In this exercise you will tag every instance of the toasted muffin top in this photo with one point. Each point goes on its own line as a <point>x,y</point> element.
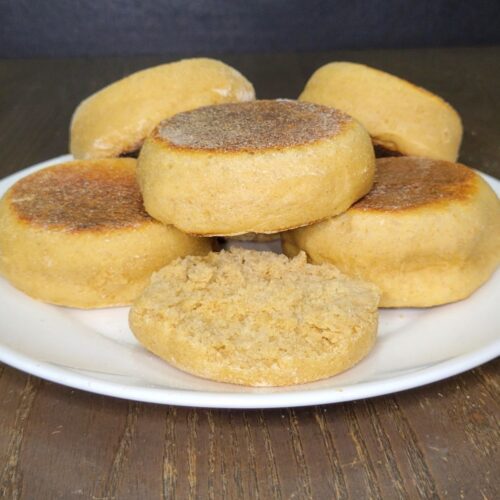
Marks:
<point>407,182</point>
<point>252,126</point>
<point>81,195</point>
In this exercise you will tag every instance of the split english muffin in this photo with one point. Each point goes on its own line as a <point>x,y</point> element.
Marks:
<point>256,318</point>
<point>77,235</point>
<point>256,167</point>
<point>115,120</point>
<point>427,234</point>
<point>402,119</point>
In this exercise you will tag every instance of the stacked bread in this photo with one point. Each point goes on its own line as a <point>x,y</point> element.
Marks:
<point>428,233</point>
<point>251,317</point>
<point>412,229</point>
<point>77,234</point>
<point>261,166</point>
<point>402,119</point>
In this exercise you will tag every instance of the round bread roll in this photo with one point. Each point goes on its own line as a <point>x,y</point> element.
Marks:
<point>428,233</point>
<point>77,235</point>
<point>256,167</point>
<point>116,120</point>
<point>400,117</point>
<point>256,318</point>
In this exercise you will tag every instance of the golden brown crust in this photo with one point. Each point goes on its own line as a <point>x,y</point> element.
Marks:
<point>77,235</point>
<point>116,120</point>
<point>81,196</point>
<point>231,192</point>
<point>398,115</point>
<point>406,182</point>
<point>427,234</point>
<point>251,126</point>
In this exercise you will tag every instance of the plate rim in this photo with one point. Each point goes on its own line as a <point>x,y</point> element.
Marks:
<point>238,400</point>
<point>270,397</point>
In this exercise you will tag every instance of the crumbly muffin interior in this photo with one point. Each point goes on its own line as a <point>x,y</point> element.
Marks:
<point>249,311</point>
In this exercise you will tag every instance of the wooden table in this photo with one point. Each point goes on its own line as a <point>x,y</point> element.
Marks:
<point>438,441</point>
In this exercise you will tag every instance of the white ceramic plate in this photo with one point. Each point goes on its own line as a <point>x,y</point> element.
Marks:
<point>95,350</point>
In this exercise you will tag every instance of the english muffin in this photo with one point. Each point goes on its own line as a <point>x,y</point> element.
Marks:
<point>115,120</point>
<point>256,167</point>
<point>402,119</point>
<point>77,235</point>
<point>256,318</point>
<point>428,233</point>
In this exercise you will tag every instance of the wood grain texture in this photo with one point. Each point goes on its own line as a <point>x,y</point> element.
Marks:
<point>438,441</point>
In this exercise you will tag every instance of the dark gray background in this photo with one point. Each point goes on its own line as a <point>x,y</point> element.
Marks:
<point>31,28</point>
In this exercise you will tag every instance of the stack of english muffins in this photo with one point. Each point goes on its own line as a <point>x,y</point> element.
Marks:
<point>358,178</point>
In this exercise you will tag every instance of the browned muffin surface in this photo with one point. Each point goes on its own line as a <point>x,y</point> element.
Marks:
<point>81,196</point>
<point>409,182</point>
<point>252,126</point>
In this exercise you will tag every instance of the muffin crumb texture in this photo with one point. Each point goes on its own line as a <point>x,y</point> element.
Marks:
<point>256,318</point>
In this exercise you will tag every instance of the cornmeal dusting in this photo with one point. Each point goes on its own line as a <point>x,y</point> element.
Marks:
<point>407,182</point>
<point>255,125</point>
<point>81,196</point>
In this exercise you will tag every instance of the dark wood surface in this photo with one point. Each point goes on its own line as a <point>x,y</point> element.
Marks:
<point>437,441</point>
